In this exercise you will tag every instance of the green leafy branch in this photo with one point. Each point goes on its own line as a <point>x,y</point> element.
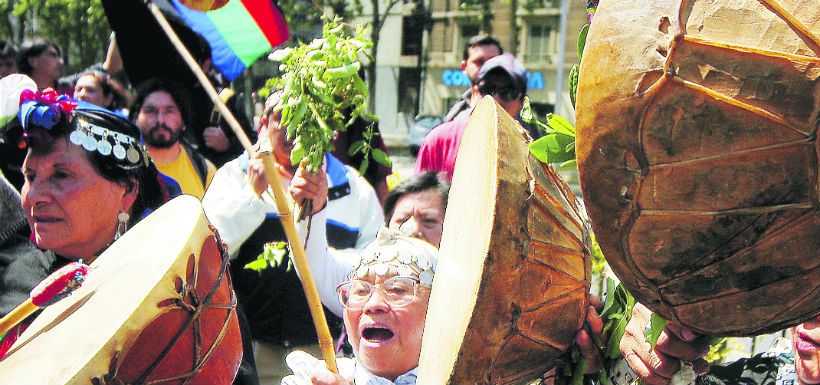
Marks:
<point>273,254</point>
<point>320,83</point>
<point>558,143</point>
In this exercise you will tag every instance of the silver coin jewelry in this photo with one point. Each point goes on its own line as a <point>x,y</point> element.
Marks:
<point>104,147</point>
<point>133,155</point>
<point>89,143</point>
<point>119,151</point>
<point>76,137</point>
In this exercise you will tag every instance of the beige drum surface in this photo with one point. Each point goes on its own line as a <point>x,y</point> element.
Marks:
<point>156,305</point>
<point>698,157</point>
<point>512,282</point>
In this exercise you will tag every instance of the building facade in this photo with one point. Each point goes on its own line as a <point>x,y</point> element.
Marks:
<point>422,75</point>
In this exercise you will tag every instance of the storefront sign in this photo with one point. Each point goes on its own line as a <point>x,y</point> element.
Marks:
<point>456,78</point>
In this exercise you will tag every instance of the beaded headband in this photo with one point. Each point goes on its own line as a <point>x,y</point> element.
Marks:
<point>47,109</point>
<point>93,137</point>
<point>393,253</point>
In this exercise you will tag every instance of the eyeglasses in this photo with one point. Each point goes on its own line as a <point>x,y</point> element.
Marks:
<point>507,92</point>
<point>397,292</point>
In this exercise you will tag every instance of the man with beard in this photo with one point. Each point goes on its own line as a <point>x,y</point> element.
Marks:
<point>162,113</point>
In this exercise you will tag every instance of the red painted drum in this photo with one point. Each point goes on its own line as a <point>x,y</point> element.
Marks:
<point>157,307</point>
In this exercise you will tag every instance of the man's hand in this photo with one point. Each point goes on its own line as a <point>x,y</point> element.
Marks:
<point>256,174</point>
<point>656,367</point>
<point>215,139</point>
<point>326,377</point>
<point>585,343</point>
<point>306,185</point>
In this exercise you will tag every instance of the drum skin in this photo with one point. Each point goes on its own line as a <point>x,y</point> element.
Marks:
<point>512,283</point>
<point>698,157</point>
<point>157,307</point>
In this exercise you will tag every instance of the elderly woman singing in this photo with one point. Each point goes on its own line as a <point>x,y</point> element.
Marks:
<point>385,303</point>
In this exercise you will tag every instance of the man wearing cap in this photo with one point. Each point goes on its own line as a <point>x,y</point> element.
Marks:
<point>162,114</point>
<point>504,78</point>
<point>477,51</point>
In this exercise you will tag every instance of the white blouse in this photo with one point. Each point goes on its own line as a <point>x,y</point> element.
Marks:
<point>303,365</point>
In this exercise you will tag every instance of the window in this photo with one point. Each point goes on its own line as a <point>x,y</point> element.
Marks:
<point>412,30</point>
<point>409,84</point>
<point>441,36</point>
<point>539,43</point>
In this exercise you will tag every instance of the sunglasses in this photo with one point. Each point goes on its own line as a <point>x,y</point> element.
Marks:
<point>506,92</point>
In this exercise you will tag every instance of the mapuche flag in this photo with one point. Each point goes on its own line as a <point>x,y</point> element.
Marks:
<point>239,32</point>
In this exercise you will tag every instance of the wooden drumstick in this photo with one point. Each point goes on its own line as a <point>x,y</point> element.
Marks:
<point>55,287</point>
<point>281,200</point>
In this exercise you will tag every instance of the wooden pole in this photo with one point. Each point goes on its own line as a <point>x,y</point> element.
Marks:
<point>17,315</point>
<point>282,204</point>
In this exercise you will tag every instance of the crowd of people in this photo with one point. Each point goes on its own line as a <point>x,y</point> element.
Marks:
<point>72,185</point>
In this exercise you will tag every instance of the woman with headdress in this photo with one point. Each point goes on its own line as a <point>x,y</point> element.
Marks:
<point>385,303</point>
<point>87,177</point>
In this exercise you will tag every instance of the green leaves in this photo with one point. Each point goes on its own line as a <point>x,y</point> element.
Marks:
<point>381,157</point>
<point>616,315</point>
<point>273,255</point>
<point>322,92</point>
<point>573,83</point>
<point>582,40</point>
<point>654,329</point>
<point>558,143</point>
<point>552,148</point>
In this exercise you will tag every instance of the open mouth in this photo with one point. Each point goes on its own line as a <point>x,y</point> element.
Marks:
<point>377,334</point>
<point>805,345</point>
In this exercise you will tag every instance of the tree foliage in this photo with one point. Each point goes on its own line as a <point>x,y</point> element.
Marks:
<point>304,20</point>
<point>79,27</point>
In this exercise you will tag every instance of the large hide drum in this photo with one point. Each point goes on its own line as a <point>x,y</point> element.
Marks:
<point>157,307</point>
<point>512,282</point>
<point>698,157</point>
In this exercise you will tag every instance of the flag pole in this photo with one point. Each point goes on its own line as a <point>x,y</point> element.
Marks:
<point>281,200</point>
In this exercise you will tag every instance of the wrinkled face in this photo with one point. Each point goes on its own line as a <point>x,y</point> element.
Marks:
<point>806,344</point>
<point>7,66</point>
<point>499,85</point>
<point>427,210</point>
<point>89,90</point>
<point>47,64</point>
<point>387,341</point>
<point>160,120</point>
<point>71,209</point>
<point>476,56</point>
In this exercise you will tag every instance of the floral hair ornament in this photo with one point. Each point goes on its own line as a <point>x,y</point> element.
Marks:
<point>393,253</point>
<point>44,109</point>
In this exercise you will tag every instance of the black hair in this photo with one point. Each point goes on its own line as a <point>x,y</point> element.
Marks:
<point>142,176</point>
<point>32,49</point>
<point>427,180</point>
<point>176,90</point>
<point>7,50</point>
<point>478,40</point>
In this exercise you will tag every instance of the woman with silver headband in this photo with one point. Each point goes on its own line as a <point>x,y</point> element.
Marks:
<point>87,179</point>
<point>385,302</point>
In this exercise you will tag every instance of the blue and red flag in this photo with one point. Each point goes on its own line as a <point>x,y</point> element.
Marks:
<point>239,32</point>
